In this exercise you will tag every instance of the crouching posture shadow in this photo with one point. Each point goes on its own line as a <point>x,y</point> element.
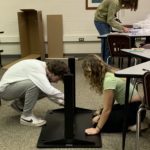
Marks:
<point>102,80</point>
<point>29,80</point>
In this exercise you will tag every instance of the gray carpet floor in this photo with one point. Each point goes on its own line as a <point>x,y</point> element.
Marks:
<point>14,136</point>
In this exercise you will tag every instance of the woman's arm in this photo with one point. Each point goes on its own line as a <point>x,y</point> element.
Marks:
<point>108,100</point>
<point>112,10</point>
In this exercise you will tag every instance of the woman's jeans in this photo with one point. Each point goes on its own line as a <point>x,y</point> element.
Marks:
<point>103,28</point>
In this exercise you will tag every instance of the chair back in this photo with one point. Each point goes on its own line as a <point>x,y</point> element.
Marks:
<point>116,42</point>
<point>146,46</point>
<point>146,86</point>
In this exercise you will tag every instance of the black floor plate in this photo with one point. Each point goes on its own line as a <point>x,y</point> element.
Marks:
<point>52,134</point>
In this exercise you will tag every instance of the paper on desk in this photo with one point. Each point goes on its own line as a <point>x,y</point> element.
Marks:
<point>137,49</point>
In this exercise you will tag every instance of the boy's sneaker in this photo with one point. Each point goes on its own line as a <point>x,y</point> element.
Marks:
<point>144,126</point>
<point>16,107</point>
<point>32,121</point>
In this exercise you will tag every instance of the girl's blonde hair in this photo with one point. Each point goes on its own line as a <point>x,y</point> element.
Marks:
<point>94,69</point>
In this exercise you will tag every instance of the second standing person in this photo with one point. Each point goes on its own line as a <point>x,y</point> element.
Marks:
<point>105,19</point>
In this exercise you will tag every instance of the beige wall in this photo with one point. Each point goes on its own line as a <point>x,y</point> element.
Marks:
<point>77,22</point>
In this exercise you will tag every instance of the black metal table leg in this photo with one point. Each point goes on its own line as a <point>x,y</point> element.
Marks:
<point>126,113</point>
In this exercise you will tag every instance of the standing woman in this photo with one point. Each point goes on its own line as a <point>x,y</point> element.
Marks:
<point>101,78</point>
<point>105,19</point>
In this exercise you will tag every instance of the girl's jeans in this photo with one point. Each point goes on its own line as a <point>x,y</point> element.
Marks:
<point>103,28</point>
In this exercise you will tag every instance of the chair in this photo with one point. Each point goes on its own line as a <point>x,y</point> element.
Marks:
<point>147,41</point>
<point>146,46</point>
<point>141,60</point>
<point>116,42</point>
<point>144,106</point>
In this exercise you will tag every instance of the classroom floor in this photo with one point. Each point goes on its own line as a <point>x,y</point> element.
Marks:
<point>14,136</point>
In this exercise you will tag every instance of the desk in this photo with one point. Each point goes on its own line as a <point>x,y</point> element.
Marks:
<point>135,33</point>
<point>128,73</point>
<point>144,54</point>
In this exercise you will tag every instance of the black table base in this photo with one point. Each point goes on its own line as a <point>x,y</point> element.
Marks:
<point>53,136</point>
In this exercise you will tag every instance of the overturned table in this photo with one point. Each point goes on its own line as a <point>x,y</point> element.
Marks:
<point>65,127</point>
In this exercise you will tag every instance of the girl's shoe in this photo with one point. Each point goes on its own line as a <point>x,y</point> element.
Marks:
<point>144,126</point>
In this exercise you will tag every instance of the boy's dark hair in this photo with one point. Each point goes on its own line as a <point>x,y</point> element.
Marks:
<point>58,67</point>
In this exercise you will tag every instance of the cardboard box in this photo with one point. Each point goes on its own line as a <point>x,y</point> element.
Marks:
<point>55,36</point>
<point>31,35</point>
<point>31,32</point>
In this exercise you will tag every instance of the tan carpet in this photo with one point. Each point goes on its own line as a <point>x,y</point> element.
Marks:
<point>14,136</point>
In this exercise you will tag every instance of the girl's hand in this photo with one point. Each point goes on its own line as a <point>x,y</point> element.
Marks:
<point>92,131</point>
